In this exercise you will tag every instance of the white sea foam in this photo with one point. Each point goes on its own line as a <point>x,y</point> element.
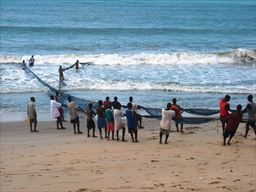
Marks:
<point>235,56</point>
<point>188,72</point>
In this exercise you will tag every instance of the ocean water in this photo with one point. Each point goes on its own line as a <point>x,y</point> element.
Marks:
<point>196,51</point>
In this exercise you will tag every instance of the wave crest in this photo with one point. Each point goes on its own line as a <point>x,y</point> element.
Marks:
<point>239,55</point>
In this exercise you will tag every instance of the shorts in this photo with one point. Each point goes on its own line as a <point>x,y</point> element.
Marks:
<point>137,116</point>
<point>33,120</point>
<point>101,122</point>
<point>228,132</point>
<point>178,120</point>
<point>90,124</point>
<point>75,121</point>
<point>250,123</point>
<point>165,131</point>
<point>223,120</point>
<point>132,130</point>
<point>110,126</point>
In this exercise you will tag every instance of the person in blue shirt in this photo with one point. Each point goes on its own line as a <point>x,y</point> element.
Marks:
<point>132,123</point>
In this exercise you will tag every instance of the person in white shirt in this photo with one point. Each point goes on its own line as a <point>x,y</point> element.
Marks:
<point>165,123</point>
<point>54,109</point>
<point>74,117</point>
<point>118,114</point>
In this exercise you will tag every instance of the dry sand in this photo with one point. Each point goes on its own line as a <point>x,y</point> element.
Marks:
<point>58,160</point>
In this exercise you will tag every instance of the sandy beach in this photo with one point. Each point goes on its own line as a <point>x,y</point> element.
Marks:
<point>58,160</point>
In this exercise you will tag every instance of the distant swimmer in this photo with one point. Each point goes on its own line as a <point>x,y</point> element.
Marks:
<point>23,65</point>
<point>31,61</point>
<point>77,64</point>
<point>61,75</point>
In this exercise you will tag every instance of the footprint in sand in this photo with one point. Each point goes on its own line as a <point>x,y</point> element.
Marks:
<point>82,190</point>
<point>214,182</point>
<point>159,185</point>
<point>176,185</point>
<point>191,158</point>
<point>235,180</point>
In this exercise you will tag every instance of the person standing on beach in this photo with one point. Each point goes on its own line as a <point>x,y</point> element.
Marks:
<point>224,110</point>
<point>165,123</point>
<point>32,115</point>
<point>31,61</point>
<point>61,110</point>
<point>233,122</point>
<point>118,122</point>
<point>135,109</point>
<point>74,117</point>
<point>116,104</point>
<point>90,120</point>
<point>251,109</point>
<point>110,121</point>
<point>178,117</point>
<point>101,121</point>
<point>107,103</point>
<point>132,122</point>
<point>54,110</point>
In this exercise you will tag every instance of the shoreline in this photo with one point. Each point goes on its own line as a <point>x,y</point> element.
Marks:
<point>58,160</point>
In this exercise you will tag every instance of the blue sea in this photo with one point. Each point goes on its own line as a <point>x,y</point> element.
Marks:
<point>196,51</point>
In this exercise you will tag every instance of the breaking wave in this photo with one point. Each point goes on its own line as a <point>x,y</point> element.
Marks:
<point>236,56</point>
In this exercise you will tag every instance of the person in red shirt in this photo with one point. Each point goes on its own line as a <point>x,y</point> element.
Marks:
<point>178,117</point>
<point>224,110</point>
<point>107,103</point>
<point>233,122</point>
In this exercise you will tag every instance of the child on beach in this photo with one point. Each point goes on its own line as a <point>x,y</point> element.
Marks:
<point>32,115</point>
<point>110,121</point>
<point>165,123</point>
<point>233,121</point>
<point>90,120</point>
<point>132,123</point>
<point>101,121</point>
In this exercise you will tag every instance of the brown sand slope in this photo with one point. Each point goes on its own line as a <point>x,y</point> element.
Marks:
<point>58,160</point>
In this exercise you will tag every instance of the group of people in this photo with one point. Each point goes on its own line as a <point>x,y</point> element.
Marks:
<point>109,118</point>
<point>172,112</point>
<point>231,119</point>
<point>30,62</point>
